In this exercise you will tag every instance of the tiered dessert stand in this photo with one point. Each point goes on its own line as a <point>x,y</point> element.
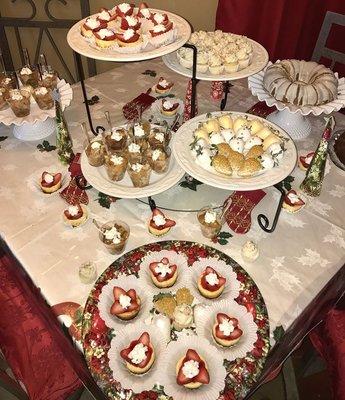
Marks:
<point>290,117</point>
<point>39,124</point>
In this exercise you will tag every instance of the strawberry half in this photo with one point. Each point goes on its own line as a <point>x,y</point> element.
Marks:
<point>206,285</point>
<point>304,158</point>
<point>116,308</point>
<point>132,39</point>
<point>125,24</point>
<point>56,179</point>
<point>235,334</point>
<point>173,108</point>
<point>203,375</point>
<point>73,217</point>
<point>300,202</point>
<point>102,25</point>
<point>164,22</point>
<point>169,86</point>
<point>167,28</point>
<point>169,223</point>
<point>158,276</point>
<point>104,20</point>
<point>143,339</point>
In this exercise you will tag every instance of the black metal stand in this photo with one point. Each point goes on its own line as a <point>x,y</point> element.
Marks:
<point>194,80</point>
<point>226,89</point>
<point>263,221</point>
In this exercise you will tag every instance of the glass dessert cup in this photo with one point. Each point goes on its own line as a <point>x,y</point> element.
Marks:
<point>159,159</point>
<point>43,98</point>
<point>29,75</point>
<point>27,91</point>
<point>118,243</point>
<point>7,82</point>
<point>134,152</point>
<point>140,172</point>
<point>95,153</point>
<point>3,102</point>
<point>139,132</point>
<point>87,272</point>
<point>19,104</point>
<point>116,140</point>
<point>212,225</point>
<point>49,78</point>
<point>116,166</point>
<point>159,139</point>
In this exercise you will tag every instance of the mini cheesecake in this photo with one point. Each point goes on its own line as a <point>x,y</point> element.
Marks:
<point>211,284</point>
<point>226,330</point>
<point>124,9</point>
<point>126,305</point>
<point>75,215</point>
<point>144,11</point>
<point>163,274</point>
<point>292,202</point>
<point>50,183</point>
<point>130,22</point>
<point>92,25</point>
<point>139,355</point>
<point>104,16</point>
<point>163,86</point>
<point>128,38</point>
<point>158,18</point>
<point>169,108</point>
<point>191,371</point>
<point>105,38</point>
<point>160,29</point>
<point>304,161</point>
<point>159,225</point>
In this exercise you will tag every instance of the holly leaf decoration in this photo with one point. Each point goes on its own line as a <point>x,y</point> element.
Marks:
<point>190,183</point>
<point>93,100</point>
<point>104,200</point>
<point>164,96</point>
<point>286,183</point>
<point>222,238</point>
<point>278,333</point>
<point>150,72</point>
<point>46,146</point>
<point>2,138</point>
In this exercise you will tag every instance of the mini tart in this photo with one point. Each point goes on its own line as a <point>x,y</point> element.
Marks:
<point>203,377</point>
<point>249,167</point>
<point>147,362</point>
<point>169,111</point>
<point>156,21</point>
<point>129,312</point>
<point>104,42</point>
<point>134,40</point>
<point>50,187</point>
<point>158,279</point>
<point>168,27</point>
<point>106,13</point>
<point>303,161</point>
<point>163,86</point>
<point>120,13</point>
<point>160,230</point>
<point>125,23</point>
<point>290,205</point>
<point>220,337</point>
<point>211,291</point>
<point>88,32</point>
<point>77,219</point>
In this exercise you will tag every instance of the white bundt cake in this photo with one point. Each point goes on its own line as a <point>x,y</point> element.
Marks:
<point>303,83</point>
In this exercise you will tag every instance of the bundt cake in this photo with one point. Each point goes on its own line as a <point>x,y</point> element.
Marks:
<point>303,83</point>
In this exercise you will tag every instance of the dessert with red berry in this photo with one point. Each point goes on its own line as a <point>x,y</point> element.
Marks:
<point>169,108</point>
<point>105,38</point>
<point>50,182</point>
<point>211,284</point>
<point>130,22</point>
<point>128,38</point>
<point>92,25</point>
<point>124,9</point>
<point>304,161</point>
<point>144,11</point>
<point>104,16</point>
<point>126,304</point>
<point>292,202</point>
<point>159,225</point>
<point>163,274</point>
<point>75,215</point>
<point>139,355</point>
<point>191,371</point>
<point>158,18</point>
<point>159,29</point>
<point>163,86</point>
<point>226,330</point>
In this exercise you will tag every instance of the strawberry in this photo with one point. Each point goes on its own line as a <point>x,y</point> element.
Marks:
<point>174,107</point>
<point>134,38</point>
<point>303,159</point>
<point>104,20</point>
<point>112,37</point>
<point>56,179</point>
<point>125,25</point>
<point>206,285</point>
<point>116,308</point>
<point>169,86</point>
<point>159,277</point>
<point>145,340</point>
<point>169,223</point>
<point>167,27</point>
<point>222,316</point>
<point>287,200</point>
<point>202,377</point>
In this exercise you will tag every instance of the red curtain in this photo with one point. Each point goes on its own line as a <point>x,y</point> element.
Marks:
<point>287,28</point>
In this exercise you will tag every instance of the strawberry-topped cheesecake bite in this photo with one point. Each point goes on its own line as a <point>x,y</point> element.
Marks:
<point>128,38</point>
<point>211,284</point>
<point>163,274</point>
<point>130,22</point>
<point>159,225</point>
<point>124,9</point>
<point>105,38</point>
<point>163,86</point>
<point>160,29</point>
<point>158,18</point>
<point>226,330</point>
<point>50,182</point>
<point>104,16</point>
<point>292,202</point>
<point>75,215</point>
<point>304,161</point>
<point>90,26</point>
<point>139,355</point>
<point>169,108</point>
<point>144,11</point>
<point>191,371</point>
<point>126,304</point>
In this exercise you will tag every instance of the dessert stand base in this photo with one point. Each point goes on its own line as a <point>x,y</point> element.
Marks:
<point>295,124</point>
<point>36,131</point>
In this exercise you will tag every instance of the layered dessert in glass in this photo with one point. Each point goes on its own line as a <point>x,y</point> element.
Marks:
<point>114,235</point>
<point>19,104</point>
<point>210,222</point>
<point>43,98</point>
<point>140,172</point>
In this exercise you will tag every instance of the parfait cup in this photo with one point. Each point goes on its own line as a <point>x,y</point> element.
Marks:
<point>210,222</point>
<point>19,104</point>
<point>114,235</point>
<point>43,98</point>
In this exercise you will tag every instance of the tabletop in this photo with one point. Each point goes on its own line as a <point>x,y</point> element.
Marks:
<point>296,260</point>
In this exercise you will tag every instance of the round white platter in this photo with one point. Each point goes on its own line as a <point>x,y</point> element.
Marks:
<point>184,136</point>
<point>98,178</point>
<point>78,43</point>
<point>7,116</point>
<point>259,61</point>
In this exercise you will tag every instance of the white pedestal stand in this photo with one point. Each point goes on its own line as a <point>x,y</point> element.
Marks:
<point>36,131</point>
<point>295,124</point>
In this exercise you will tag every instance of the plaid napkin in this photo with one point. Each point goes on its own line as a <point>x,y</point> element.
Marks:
<point>137,106</point>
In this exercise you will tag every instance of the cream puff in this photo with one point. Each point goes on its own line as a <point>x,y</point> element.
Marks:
<point>226,331</point>
<point>128,38</point>
<point>139,355</point>
<point>304,161</point>
<point>159,225</point>
<point>168,108</point>
<point>210,284</point>
<point>163,86</point>
<point>126,304</point>
<point>75,215</point>
<point>292,202</point>
<point>163,274</point>
<point>191,371</point>
<point>105,38</point>
<point>50,183</point>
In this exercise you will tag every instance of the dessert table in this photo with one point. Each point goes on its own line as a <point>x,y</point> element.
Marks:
<point>296,261</point>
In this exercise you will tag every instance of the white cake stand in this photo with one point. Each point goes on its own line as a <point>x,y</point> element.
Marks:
<point>39,124</point>
<point>290,117</point>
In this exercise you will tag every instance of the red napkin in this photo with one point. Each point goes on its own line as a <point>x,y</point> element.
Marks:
<point>188,103</point>
<point>142,102</point>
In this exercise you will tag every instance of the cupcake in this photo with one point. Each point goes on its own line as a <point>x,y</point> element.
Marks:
<point>90,26</point>
<point>163,86</point>
<point>191,371</point>
<point>215,65</point>
<point>210,283</point>
<point>163,274</point>
<point>126,304</point>
<point>128,38</point>
<point>202,62</point>
<point>95,153</point>
<point>105,38</point>
<point>159,159</point>
<point>226,331</point>
<point>75,215</point>
<point>139,355</point>
<point>231,63</point>
<point>168,108</point>
<point>50,182</point>
<point>292,202</point>
<point>114,236</point>
<point>159,225</point>
<point>116,139</point>
<point>209,222</point>
<point>116,166</point>
<point>140,173</point>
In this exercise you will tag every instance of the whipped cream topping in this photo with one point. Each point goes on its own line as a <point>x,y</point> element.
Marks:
<point>210,217</point>
<point>104,15</point>
<point>137,167</point>
<point>113,235</point>
<point>116,135</point>
<point>25,71</point>
<point>125,301</point>
<point>231,58</point>
<point>163,269</point>
<point>124,7</point>
<point>216,138</point>
<point>104,33</point>
<point>160,137</point>
<point>92,23</point>
<point>131,20</point>
<point>226,327</point>
<point>73,210</point>
<point>6,81</point>
<point>158,28</point>
<point>168,105</point>
<point>145,12</point>
<point>16,95</point>
<point>156,154</point>
<point>293,198</point>
<point>47,75</point>
<point>164,83</point>
<point>139,131</point>
<point>308,159</point>
<point>190,369</point>
<point>159,18</point>
<point>48,178</point>
<point>267,161</point>
<point>237,145</point>
<point>138,354</point>
<point>215,61</point>
<point>128,34</point>
<point>95,145</point>
<point>212,279</point>
<point>41,91</point>
<point>159,220</point>
<point>116,160</point>
<point>134,148</point>
<point>242,54</point>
